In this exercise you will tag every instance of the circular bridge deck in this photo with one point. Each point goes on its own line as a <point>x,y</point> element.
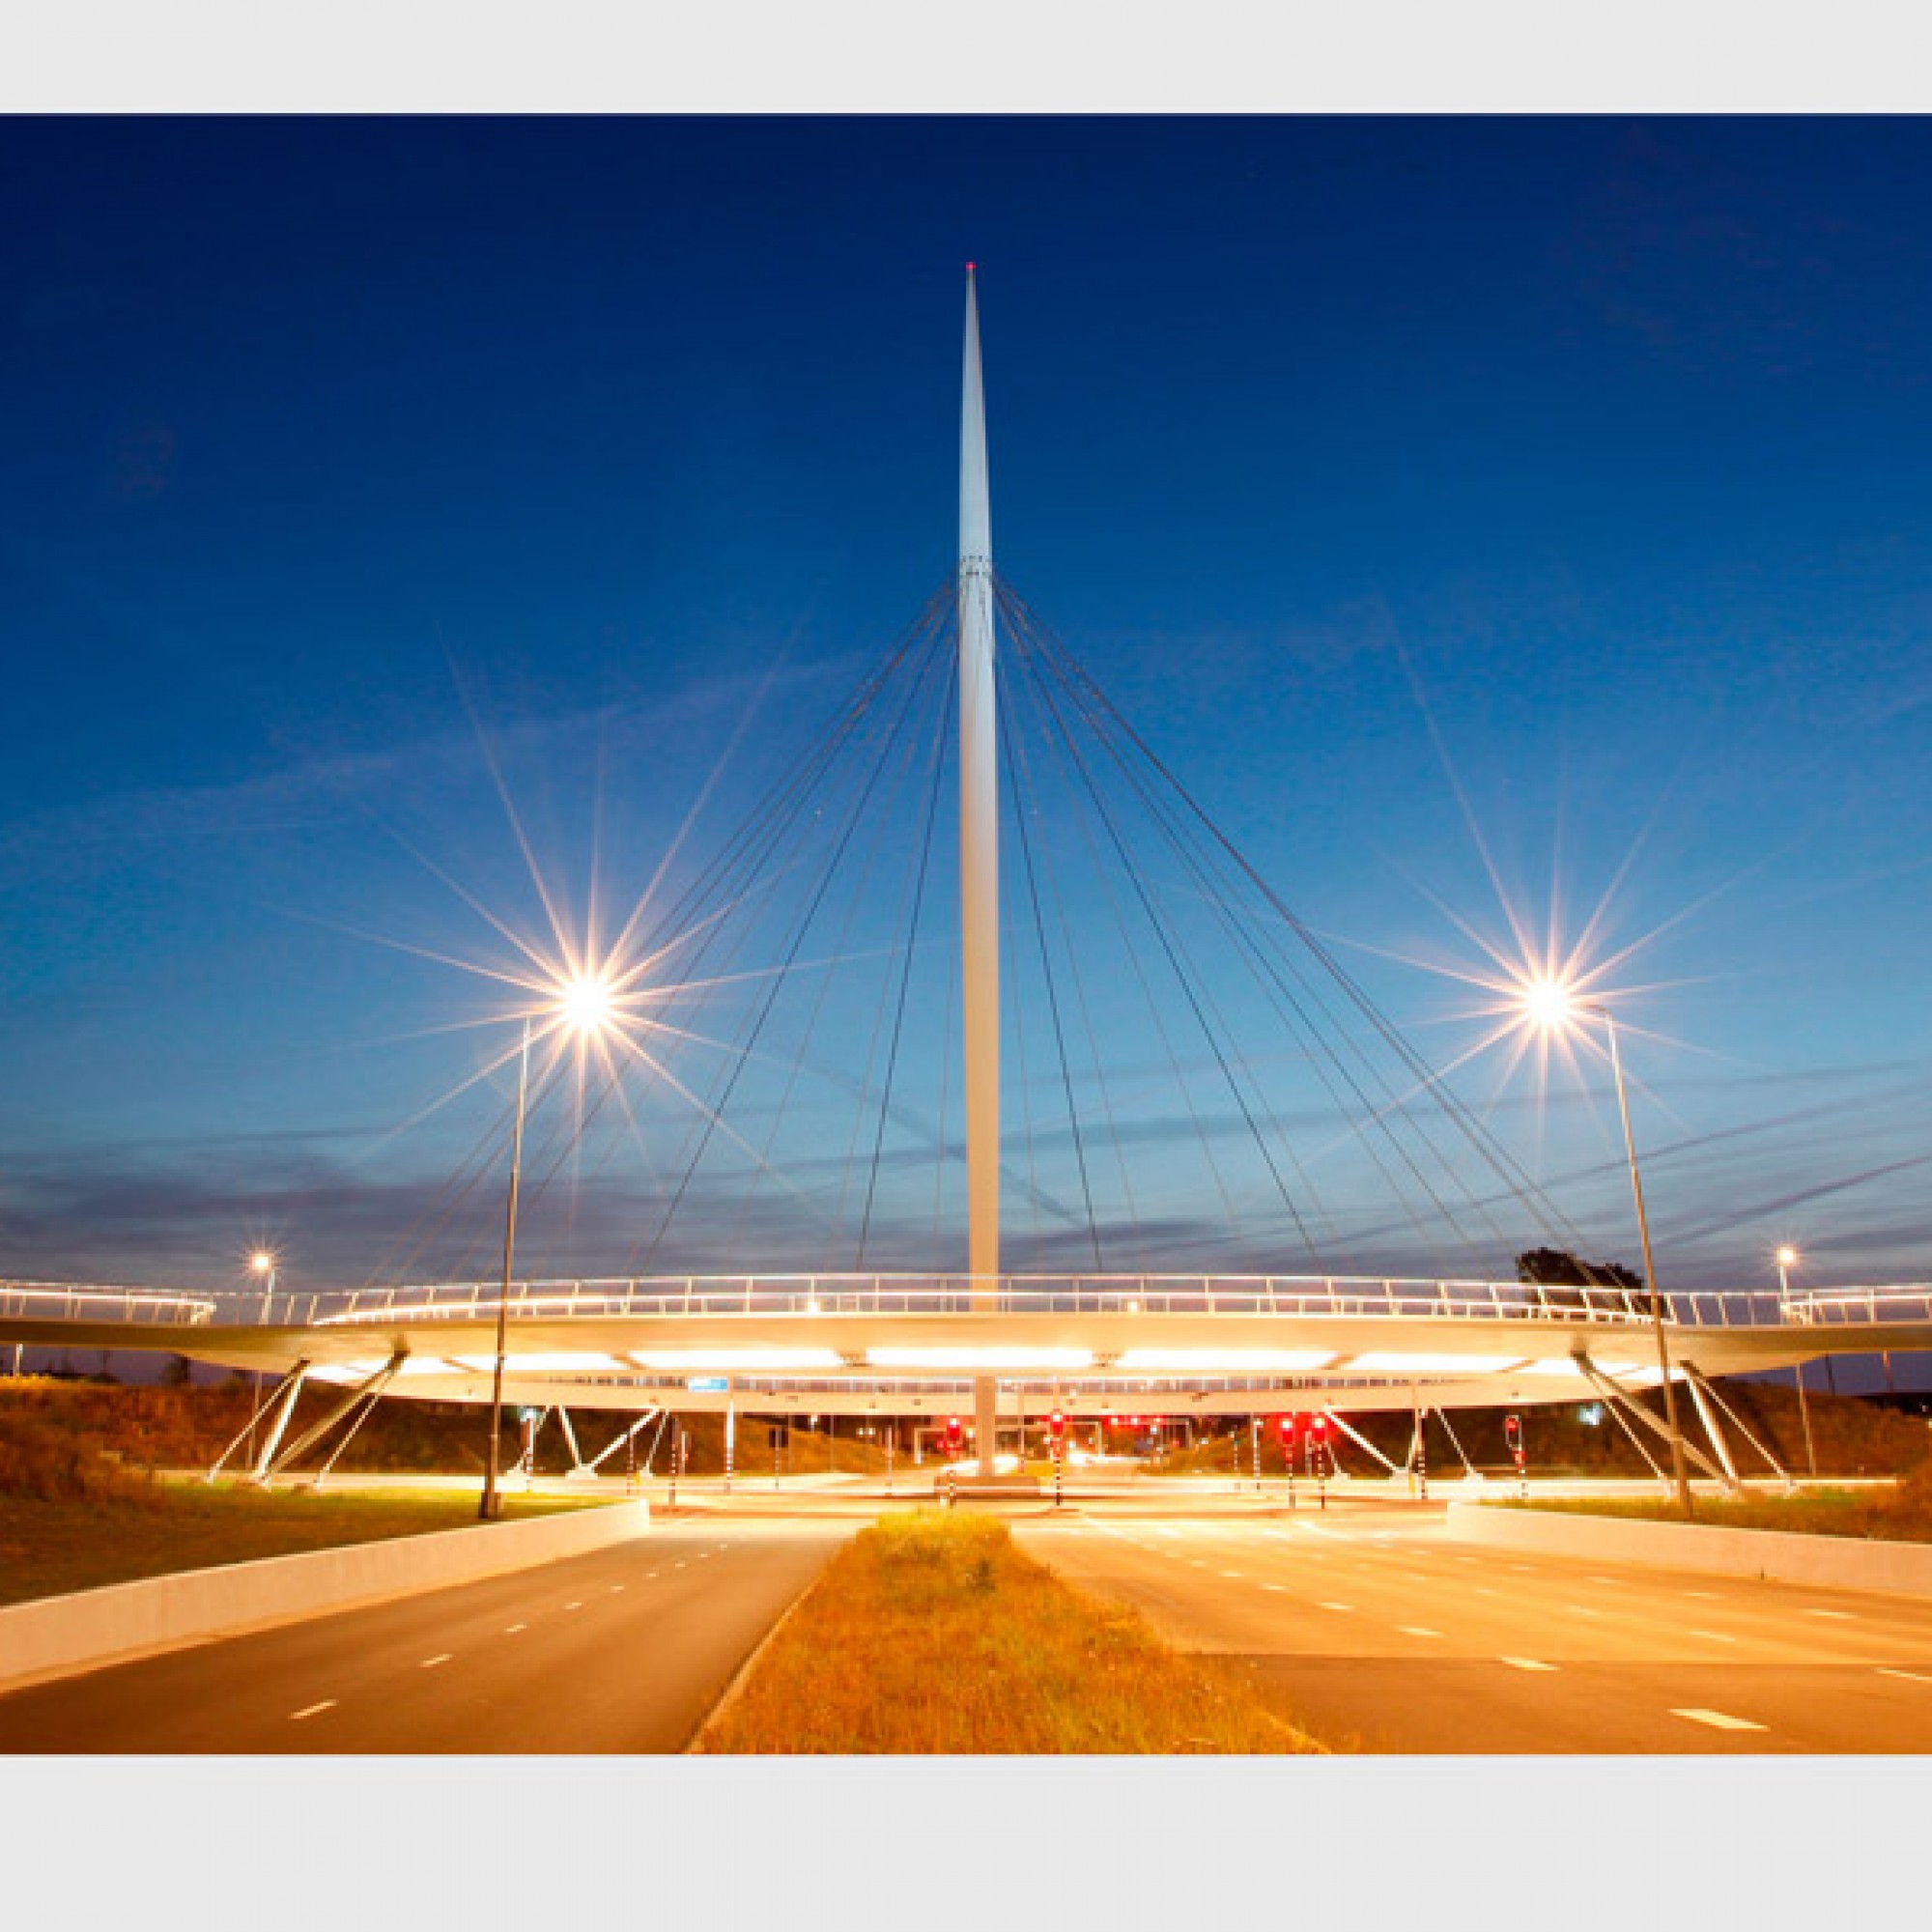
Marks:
<point>913,1343</point>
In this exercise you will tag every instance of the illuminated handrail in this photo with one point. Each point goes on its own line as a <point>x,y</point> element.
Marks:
<point>1330,1297</point>
<point>74,1301</point>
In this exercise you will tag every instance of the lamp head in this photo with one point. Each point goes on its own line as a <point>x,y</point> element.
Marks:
<point>262,1262</point>
<point>1549,1004</point>
<point>586,1004</point>
<point>1787,1256</point>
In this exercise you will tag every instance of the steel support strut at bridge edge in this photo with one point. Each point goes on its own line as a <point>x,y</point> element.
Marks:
<point>364,1393</point>
<point>610,1448</point>
<point>1698,1382</point>
<point>280,1407</point>
<point>1614,1392</point>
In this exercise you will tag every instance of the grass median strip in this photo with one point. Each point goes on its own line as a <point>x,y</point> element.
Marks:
<point>931,1633</point>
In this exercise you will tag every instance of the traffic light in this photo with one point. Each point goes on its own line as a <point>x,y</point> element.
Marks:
<point>1056,1426</point>
<point>1285,1428</point>
<point>1513,1433</point>
<point>956,1435</point>
<point>1320,1426</point>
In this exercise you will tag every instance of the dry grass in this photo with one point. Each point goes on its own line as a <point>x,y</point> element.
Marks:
<point>47,1548</point>
<point>1900,1515</point>
<point>931,1633</point>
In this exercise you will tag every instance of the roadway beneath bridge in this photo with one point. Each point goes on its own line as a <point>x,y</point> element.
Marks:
<point>1368,1627</point>
<point>626,1650</point>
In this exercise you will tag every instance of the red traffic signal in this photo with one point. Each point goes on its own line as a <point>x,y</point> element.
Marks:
<point>1056,1424</point>
<point>1319,1426</point>
<point>1513,1431</point>
<point>1285,1427</point>
<point>956,1435</point>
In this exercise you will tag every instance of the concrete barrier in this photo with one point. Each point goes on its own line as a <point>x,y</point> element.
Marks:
<point>58,1637</point>
<point>1773,1555</point>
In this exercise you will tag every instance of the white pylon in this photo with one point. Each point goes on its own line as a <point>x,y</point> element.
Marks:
<point>979,864</point>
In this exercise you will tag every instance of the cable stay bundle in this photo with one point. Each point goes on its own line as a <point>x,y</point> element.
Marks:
<point>1192,1082</point>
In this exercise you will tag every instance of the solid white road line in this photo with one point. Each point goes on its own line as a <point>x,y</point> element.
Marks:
<point>1719,1720</point>
<point>313,1710</point>
<point>1525,1664</point>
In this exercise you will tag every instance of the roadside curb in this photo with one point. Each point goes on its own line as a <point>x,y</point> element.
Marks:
<point>1771,1555</point>
<point>742,1676</point>
<point>89,1630</point>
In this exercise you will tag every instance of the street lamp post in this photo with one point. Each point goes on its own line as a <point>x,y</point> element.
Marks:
<point>491,1505</point>
<point>262,1263</point>
<point>1551,1003</point>
<point>1788,1258</point>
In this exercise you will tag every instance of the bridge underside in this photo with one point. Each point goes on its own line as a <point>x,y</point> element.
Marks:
<point>1086,1363</point>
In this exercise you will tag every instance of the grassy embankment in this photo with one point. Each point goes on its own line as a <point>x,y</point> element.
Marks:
<point>76,1511</point>
<point>1898,1515</point>
<point>931,1633</point>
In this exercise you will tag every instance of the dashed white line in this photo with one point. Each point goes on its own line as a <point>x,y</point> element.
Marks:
<point>1525,1664</point>
<point>1712,1636</point>
<point>1334,1606</point>
<point>512,1629</point>
<point>1278,1587</point>
<point>1719,1720</point>
<point>430,1663</point>
<point>1910,1676</point>
<point>1582,1611</point>
<point>615,1588</point>
<point>1707,1596</point>
<point>1844,1616</point>
<point>1416,1630</point>
<point>1231,1573</point>
<point>313,1711</point>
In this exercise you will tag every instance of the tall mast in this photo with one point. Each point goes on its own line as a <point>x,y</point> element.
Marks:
<point>978,861</point>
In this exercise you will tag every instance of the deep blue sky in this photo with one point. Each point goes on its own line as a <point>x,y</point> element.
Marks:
<point>1579,463</point>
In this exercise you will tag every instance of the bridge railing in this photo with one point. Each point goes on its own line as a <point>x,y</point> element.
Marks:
<point>1288,1295</point>
<point>73,1301</point>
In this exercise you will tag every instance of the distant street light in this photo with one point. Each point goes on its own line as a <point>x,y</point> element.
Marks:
<point>260,1263</point>
<point>1788,1258</point>
<point>1551,1005</point>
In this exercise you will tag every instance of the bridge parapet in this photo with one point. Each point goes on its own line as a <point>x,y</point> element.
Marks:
<point>74,1301</point>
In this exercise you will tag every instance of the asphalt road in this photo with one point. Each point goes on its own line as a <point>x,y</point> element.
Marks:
<point>622,1650</point>
<point>1373,1631</point>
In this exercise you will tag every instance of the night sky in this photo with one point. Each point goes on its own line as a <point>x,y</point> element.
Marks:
<point>1479,517</point>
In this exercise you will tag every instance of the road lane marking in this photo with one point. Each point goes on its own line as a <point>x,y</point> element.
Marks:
<point>1845,1616</point>
<point>615,1588</point>
<point>1231,1573</point>
<point>313,1710</point>
<point>1525,1664</point>
<point>1708,1596</point>
<point>1910,1676</point>
<point>1416,1630</point>
<point>1719,1720</point>
<point>578,1605</point>
<point>430,1663</point>
<point>652,1578</point>
<point>1582,1611</point>
<point>677,1566</point>
<point>1714,1636</point>
<point>512,1629</point>
<point>1484,1590</point>
<point>1334,1606</point>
